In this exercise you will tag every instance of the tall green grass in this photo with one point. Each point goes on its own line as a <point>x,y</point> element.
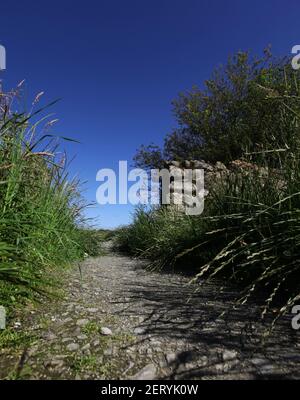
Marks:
<point>41,209</point>
<point>249,231</point>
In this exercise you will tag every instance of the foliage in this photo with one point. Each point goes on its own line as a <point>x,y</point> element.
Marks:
<point>41,209</point>
<point>249,231</point>
<point>237,110</point>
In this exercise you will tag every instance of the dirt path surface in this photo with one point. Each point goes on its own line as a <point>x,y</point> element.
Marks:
<point>118,320</point>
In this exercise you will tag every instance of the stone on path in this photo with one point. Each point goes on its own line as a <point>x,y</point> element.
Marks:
<point>72,347</point>
<point>171,357</point>
<point>229,355</point>
<point>92,310</point>
<point>139,331</point>
<point>147,373</point>
<point>105,331</point>
<point>82,322</point>
<point>82,337</point>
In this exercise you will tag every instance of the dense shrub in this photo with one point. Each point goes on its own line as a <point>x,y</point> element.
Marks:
<point>237,109</point>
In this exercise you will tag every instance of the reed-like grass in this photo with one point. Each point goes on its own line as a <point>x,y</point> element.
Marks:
<point>41,209</point>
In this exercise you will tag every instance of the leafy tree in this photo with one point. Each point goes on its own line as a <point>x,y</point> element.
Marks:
<point>150,156</point>
<point>240,108</point>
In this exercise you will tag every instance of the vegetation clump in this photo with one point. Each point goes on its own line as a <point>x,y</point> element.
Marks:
<point>250,228</point>
<point>41,209</point>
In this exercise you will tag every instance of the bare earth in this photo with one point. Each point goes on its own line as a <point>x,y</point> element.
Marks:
<point>118,320</point>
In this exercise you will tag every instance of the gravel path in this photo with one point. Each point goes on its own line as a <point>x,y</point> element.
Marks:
<point>118,320</point>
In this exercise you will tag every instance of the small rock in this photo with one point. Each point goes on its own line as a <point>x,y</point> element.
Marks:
<point>229,355</point>
<point>55,363</point>
<point>147,373</point>
<point>171,357</point>
<point>82,337</point>
<point>219,367</point>
<point>202,361</point>
<point>131,364</point>
<point>82,322</point>
<point>155,343</point>
<point>67,320</point>
<point>50,336</point>
<point>92,310</point>
<point>86,347</point>
<point>72,347</point>
<point>267,369</point>
<point>139,331</point>
<point>220,166</point>
<point>105,331</point>
<point>67,339</point>
<point>258,361</point>
<point>61,356</point>
<point>175,163</point>
<point>202,165</point>
<point>77,331</point>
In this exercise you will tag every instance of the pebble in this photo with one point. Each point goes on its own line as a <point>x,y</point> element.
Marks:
<point>229,355</point>
<point>72,347</point>
<point>77,331</point>
<point>267,369</point>
<point>171,357</point>
<point>82,322</point>
<point>139,331</point>
<point>147,373</point>
<point>82,337</point>
<point>105,331</point>
<point>258,361</point>
<point>50,336</point>
<point>55,363</point>
<point>67,339</point>
<point>92,310</point>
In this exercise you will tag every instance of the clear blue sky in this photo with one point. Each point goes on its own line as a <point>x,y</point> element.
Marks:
<point>118,64</point>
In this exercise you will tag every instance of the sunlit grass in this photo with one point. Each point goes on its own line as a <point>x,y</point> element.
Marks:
<point>41,207</point>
